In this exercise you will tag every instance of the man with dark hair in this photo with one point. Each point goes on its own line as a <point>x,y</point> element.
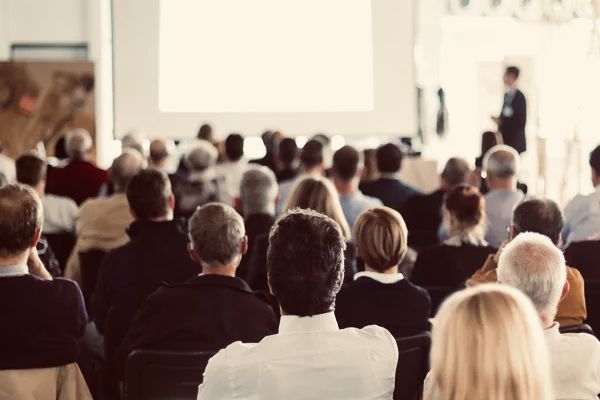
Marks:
<point>310,357</point>
<point>513,116</point>
<point>389,188</point>
<point>230,171</point>
<point>288,160</point>
<point>541,216</point>
<point>155,253</point>
<point>270,140</point>
<point>42,319</point>
<point>213,309</point>
<point>346,171</point>
<point>582,214</point>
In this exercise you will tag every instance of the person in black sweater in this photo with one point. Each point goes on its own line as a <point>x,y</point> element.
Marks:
<point>381,295</point>
<point>454,261</point>
<point>42,318</point>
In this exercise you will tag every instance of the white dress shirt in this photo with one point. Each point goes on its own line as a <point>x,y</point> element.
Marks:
<point>310,358</point>
<point>582,218</point>
<point>60,214</point>
<point>231,173</point>
<point>575,359</point>
<point>7,167</point>
<point>379,277</point>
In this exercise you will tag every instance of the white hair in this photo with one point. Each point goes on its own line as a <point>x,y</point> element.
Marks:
<point>258,191</point>
<point>534,265</point>
<point>501,161</point>
<point>202,156</point>
<point>78,142</point>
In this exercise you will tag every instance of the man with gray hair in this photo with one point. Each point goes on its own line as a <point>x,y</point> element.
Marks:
<point>79,179</point>
<point>534,265</point>
<point>102,222</point>
<point>501,165</point>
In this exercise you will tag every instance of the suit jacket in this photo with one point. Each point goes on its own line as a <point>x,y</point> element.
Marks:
<point>392,192</point>
<point>449,266</point>
<point>42,322</point>
<point>584,257</point>
<point>423,216</point>
<point>79,180</point>
<point>256,225</point>
<point>402,308</point>
<point>213,311</point>
<point>571,311</point>
<point>512,126</point>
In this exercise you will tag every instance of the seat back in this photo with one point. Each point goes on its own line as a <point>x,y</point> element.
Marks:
<point>583,328</point>
<point>438,294</point>
<point>89,262</point>
<point>162,375</point>
<point>584,257</point>
<point>413,365</point>
<point>62,245</point>
<point>592,301</point>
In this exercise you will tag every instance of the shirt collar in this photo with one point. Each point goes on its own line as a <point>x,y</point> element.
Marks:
<point>379,277</point>
<point>316,323</point>
<point>552,331</point>
<point>466,238</point>
<point>13,270</point>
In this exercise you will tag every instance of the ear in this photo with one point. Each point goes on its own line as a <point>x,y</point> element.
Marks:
<point>192,253</point>
<point>513,232</point>
<point>36,238</point>
<point>244,246</point>
<point>132,213</point>
<point>171,202</point>
<point>565,290</point>
<point>237,203</point>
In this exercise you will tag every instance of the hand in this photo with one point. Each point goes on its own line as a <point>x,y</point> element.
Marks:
<point>36,266</point>
<point>495,119</point>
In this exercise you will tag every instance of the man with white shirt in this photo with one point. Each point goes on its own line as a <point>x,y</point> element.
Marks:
<point>232,169</point>
<point>582,214</point>
<point>534,265</point>
<point>310,357</point>
<point>7,166</point>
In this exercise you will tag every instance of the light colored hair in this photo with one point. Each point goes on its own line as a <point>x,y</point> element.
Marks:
<point>77,143</point>
<point>258,191</point>
<point>381,238</point>
<point>501,162</point>
<point>534,265</point>
<point>488,344</point>
<point>202,156</point>
<point>319,194</point>
<point>216,232</point>
<point>124,167</point>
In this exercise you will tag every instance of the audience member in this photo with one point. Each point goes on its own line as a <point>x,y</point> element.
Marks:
<point>423,213</point>
<point>102,222</point>
<point>311,164</point>
<point>488,344</point>
<point>59,212</point>
<point>269,139</point>
<point>42,318</point>
<point>288,160</point>
<point>155,253</point>
<point>310,357</point>
<point>258,197</point>
<point>79,179</point>
<point>347,166</point>
<point>133,140</point>
<point>451,263</point>
<point>501,165</point>
<point>534,265</point>
<point>158,155</point>
<point>370,171</point>
<point>230,171</point>
<point>544,217</point>
<point>205,132</point>
<point>214,309</point>
<point>389,188</point>
<point>582,214</point>
<point>381,295</point>
<point>7,166</point>
<point>311,193</point>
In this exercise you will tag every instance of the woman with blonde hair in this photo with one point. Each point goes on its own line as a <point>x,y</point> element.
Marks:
<point>488,344</point>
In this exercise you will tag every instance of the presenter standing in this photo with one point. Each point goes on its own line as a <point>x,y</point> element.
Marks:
<point>512,118</point>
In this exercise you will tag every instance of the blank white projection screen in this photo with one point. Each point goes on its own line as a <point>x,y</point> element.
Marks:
<point>301,66</point>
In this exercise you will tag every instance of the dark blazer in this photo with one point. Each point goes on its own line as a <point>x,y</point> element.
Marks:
<point>256,225</point>
<point>257,269</point>
<point>78,180</point>
<point>513,127</point>
<point>392,192</point>
<point>207,312</point>
<point>423,216</point>
<point>448,266</point>
<point>584,257</point>
<point>402,308</point>
<point>41,322</point>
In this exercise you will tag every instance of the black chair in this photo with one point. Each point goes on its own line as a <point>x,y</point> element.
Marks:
<point>162,375</point>
<point>438,294</point>
<point>584,257</point>
<point>592,301</point>
<point>89,263</point>
<point>62,245</point>
<point>413,365</point>
<point>583,328</point>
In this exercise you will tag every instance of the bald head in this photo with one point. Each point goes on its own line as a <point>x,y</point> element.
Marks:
<point>159,152</point>
<point>78,143</point>
<point>20,220</point>
<point>124,167</point>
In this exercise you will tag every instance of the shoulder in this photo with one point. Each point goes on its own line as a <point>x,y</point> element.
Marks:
<point>374,337</point>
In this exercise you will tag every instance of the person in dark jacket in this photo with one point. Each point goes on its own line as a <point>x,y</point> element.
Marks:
<point>513,116</point>
<point>209,311</point>
<point>381,295</point>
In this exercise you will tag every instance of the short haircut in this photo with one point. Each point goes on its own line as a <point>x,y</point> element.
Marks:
<point>258,191</point>
<point>466,205</point>
<point>311,154</point>
<point>78,142</point>
<point>20,218</point>
<point>148,194</point>
<point>389,158</point>
<point>133,140</point>
<point>205,133</point>
<point>305,262</point>
<point>203,156</point>
<point>381,238</point>
<point>456,171</point>
<point>31,169</point>
<point>538,215</point>
<point>488,140</point>
<point>216,231</point>
<point>288,151</point>
<point>346,162</point>
<point>234,147</point>
<point>158,150</point>
<point>124,167</point>
<point>501,162</point>
<point>595,160</point>
<point>534,265</point>
<point>513,70</point>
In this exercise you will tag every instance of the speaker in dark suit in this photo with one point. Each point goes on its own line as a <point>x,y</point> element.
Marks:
<point>513,116</point>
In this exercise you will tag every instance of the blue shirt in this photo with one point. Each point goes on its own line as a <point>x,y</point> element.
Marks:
<point>354,204</point>
<point>582,217</point>
<point>499,206</point>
